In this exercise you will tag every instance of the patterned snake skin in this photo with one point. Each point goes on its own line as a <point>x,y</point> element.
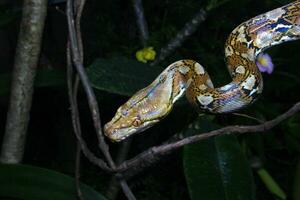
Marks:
<point>149,105</point>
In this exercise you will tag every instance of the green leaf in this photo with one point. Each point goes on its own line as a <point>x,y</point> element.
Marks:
<point>270,183</point>
<point>121,75</point>
<point>216,168</point>
<point>33,183</point>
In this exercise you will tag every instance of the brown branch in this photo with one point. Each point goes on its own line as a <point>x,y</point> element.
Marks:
<point>154,154</point>
<point>26,59</point>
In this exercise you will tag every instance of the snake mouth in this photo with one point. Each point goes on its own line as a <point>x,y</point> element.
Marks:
<point>119,134</point>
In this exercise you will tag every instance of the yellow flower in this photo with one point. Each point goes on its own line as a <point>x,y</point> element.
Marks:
<point>146,54</point>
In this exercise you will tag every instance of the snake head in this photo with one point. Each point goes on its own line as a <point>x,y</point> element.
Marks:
<point>137,114</point>
<point>127,122</point>
<point>140,112</point>
<point>147,107</point>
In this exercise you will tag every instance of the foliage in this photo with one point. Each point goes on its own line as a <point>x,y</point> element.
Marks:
<point>27,182</point>
<point>217,168</point>
<point>122,69</point>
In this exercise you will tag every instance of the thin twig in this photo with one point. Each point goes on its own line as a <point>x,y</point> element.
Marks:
<point>154,154</point>
<point>189,28</point>
<point>79,8</point>
<point>113,186</point>
<point>248,116</point>
<point>141,21</point>
<point>75,118</point>
<point>93,105</point>
<point>126,189</point>
<point>78,143</point>
<point>77,171</point>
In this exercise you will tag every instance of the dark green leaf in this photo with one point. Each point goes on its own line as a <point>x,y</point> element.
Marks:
<point>121,75</point>
<point>33,183</point>
<point>216,169</point>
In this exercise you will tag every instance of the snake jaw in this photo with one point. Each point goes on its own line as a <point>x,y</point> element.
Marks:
<point>147,107</point>
<point>135,120</point>
<point>119,133</point>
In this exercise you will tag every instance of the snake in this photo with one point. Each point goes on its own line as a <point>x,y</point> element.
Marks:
<point>243,46</point>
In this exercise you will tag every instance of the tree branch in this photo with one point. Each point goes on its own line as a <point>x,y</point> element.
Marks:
<point>26,59</point>
<point>131,167</point>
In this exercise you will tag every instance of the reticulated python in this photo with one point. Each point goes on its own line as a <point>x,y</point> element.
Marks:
<point>149,105</point>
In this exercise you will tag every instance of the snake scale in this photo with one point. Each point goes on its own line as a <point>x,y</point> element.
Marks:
<point>149,105</point>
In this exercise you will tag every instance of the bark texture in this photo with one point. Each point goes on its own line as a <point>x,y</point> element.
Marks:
<point>26,59</point>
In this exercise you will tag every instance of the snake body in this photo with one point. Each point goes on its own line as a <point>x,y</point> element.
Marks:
<point>149,105</point>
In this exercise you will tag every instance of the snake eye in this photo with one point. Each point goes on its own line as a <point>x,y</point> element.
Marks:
<point>137,122</point>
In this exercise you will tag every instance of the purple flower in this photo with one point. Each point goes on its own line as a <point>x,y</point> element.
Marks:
<point>264,63</point>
